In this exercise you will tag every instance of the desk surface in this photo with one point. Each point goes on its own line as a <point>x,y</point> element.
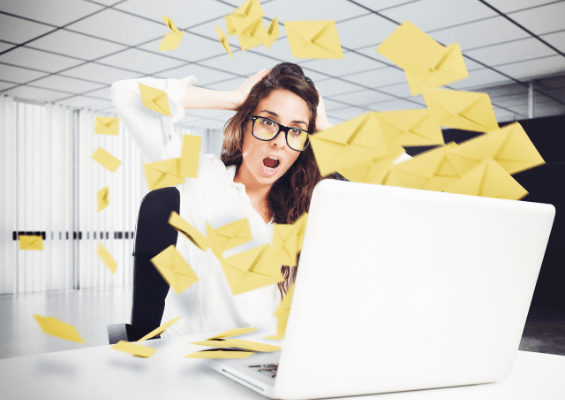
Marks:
<point>102,373</point>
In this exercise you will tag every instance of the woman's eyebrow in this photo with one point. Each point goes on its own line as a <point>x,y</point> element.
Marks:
<point>276,115</point>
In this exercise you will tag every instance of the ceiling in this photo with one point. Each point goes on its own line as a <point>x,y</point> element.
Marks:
<point>70,51</point>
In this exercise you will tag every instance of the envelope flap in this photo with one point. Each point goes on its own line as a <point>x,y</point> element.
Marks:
<point>233,332</point>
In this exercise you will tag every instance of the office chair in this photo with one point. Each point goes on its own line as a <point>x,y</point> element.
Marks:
<point>153,235</point>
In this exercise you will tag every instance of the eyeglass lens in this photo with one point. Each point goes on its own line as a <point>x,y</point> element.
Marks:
<point>266,129</point>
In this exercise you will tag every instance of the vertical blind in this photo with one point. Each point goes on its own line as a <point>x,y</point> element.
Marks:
<point>49,183</point>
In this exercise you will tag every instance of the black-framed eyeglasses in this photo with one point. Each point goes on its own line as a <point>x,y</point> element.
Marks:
<point>266,129</point>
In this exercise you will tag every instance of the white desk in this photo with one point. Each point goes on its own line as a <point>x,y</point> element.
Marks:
<point>101,373</point>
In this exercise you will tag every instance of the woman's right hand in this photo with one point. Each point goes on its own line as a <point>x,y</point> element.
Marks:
<point>242,92</point>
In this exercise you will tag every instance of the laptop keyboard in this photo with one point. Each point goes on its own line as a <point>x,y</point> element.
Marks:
<point>266,369</point>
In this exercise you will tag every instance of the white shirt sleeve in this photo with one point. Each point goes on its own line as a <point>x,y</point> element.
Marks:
<point>152,132</point>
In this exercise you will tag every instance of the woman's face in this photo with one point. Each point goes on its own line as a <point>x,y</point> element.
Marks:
<point>287,109</point>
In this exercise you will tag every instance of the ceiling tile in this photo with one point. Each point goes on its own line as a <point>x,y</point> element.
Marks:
<point>480,33</point>
<point>437,14</point>
<point>5,85</point>
<point>119,27</point>
<point>364,31</point>
<point>556,94</point>
<point>140,61</point>
<point>372,52</point>
<point>50,11</point>
<point>5,46</point>
<point>75,45</point>
<point>104,93</point>
<point>378,77</point>
<point>100,73</point>
<point>209,113</point>
<point>208,30</point>
<point>331,87</point>
<point>520,111</point>
<point>506,90</point>
<point>280,50</point>
<point>305,10</point>
<point>362,97</point>
<point>540,20</point>
<point>17,74</point>
<point>511,101</point>
<point>332,105</point>
<point>505,53</point>
<point>183,13</point>
<point>480,78</point>
<point>86,102</point>
<point>203,74</point>
<point>382,5</point>
<point>505,116</point>
<point>192,48</point>
<point>346,113</point>
<point>535,68</point>
<point>556,39</point>
<point>36,59</point>
<point>507,6</point>
<point>396,105</point>
<point>549,109</point>
<point>226,85</point>
<point>243,63</point>
<point>32,93</point>
<point>71,85</point>
<point>350,64</point>
<point>399,90</point>
<point>17,30</point>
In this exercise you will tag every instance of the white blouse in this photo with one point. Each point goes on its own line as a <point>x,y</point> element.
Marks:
<point>213,197</point>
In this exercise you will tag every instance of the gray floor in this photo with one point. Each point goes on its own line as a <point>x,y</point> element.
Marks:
<point>91,310</point>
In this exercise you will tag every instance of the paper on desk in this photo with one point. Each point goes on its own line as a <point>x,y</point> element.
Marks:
<point>425,62</point>
<point>251,269</point>
<point>174,269</point>
<point>30,242</point>
<point>102,198</point>
<point>154,99</point>
<point>164,173</point>
<point>134,349</point>
<point>159,330</point>
<point>105,159</point>
<point>107,258</point>
<point>350,144</point>
<point>375,170</point>
<point>273,32</point>
<point>287,241</point>
<point>282,313</point>
<point>238,343</point>
<point>488,179</point>
<point>190,154</point>
<point>223,40</point>
<point>228,236</point>
<point>107,125</point>
<point>55,327</point>
<point>510,147</point>
<point>461,110</point>
<point>221,353</point>
<point>313,39</point>
<point>171,40</point>
<point>410,128</point>
<point>188,231</point>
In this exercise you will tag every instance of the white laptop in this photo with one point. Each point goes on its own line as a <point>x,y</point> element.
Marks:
<point>401,289</point>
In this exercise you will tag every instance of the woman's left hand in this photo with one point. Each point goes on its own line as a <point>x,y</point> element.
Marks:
<point>321,118</point>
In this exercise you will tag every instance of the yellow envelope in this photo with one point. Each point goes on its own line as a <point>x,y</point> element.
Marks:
<point>105,159</point>
<point>154,99</point>
<point>375,170</point>
<point>249,9</point>
<point>174,269</point>
<point>287,241</point>
<point>430,170</point>
<point>172,39</point>
<point>30,242</point>
<point>107,125</point>
<point>349,144</point>
<point>251,269</point>
<point>282,312</point>
<point>250,31</point>
<point>313,39</point>
<point>425,62</point>
<point>221,353</point>
<point>228,236</point>
<point>410,128</point>
<point>488,179</point>
<point>273,32</point>
<point>159,330</point>
<point>107,258</point>
<point>190,154</point>
<point>238,343</point>
<point>164,173</point>
<point>102,198</point>
<point>232,332</point>
<point>134,349</point>
<point>224,40</point>
<point>55,327</point>
<point>461,110</point>
<point>188,231</point>
<point>510,147</point>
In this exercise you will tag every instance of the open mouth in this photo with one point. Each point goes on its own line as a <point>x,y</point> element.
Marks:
<point>271,162</point>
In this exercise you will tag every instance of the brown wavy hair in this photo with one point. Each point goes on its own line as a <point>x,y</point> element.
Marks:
<point>290,195</point>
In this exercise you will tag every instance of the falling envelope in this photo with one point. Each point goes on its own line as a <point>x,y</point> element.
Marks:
<point>349,144</point>
<point>375,170</point>
<point>105,159</point>
<point>159,330</point>
<point>154,99</point>
<point>174,269</point>
<point>30,242</point>
<point>461,110</point>
<point>221,353</point>
<point>172,39</point>
<point>188,231</point>
<point>510,147</point>
<point>102,198</point>
<point>55,327</point>
<point>250,9</point>
<point>134,349</point>
<point>488,179</point>
<point>233,332</point>
<point>190,154</point>
<point>228,236</point>
<point>250,31</point>
<point>224,40</point>
<point>107,258</point>
<point>285,244</point>
<point>238,343</point>
<point>164,173</point>
<point>410,128</point>
<point>273,32</point>
<point>313,39</point>
<point>282,312</point>
<point>107,125</point>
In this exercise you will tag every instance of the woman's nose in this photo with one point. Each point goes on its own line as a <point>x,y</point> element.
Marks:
<point>280,140</point>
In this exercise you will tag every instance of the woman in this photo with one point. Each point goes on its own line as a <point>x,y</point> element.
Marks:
<point>262,176</point>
